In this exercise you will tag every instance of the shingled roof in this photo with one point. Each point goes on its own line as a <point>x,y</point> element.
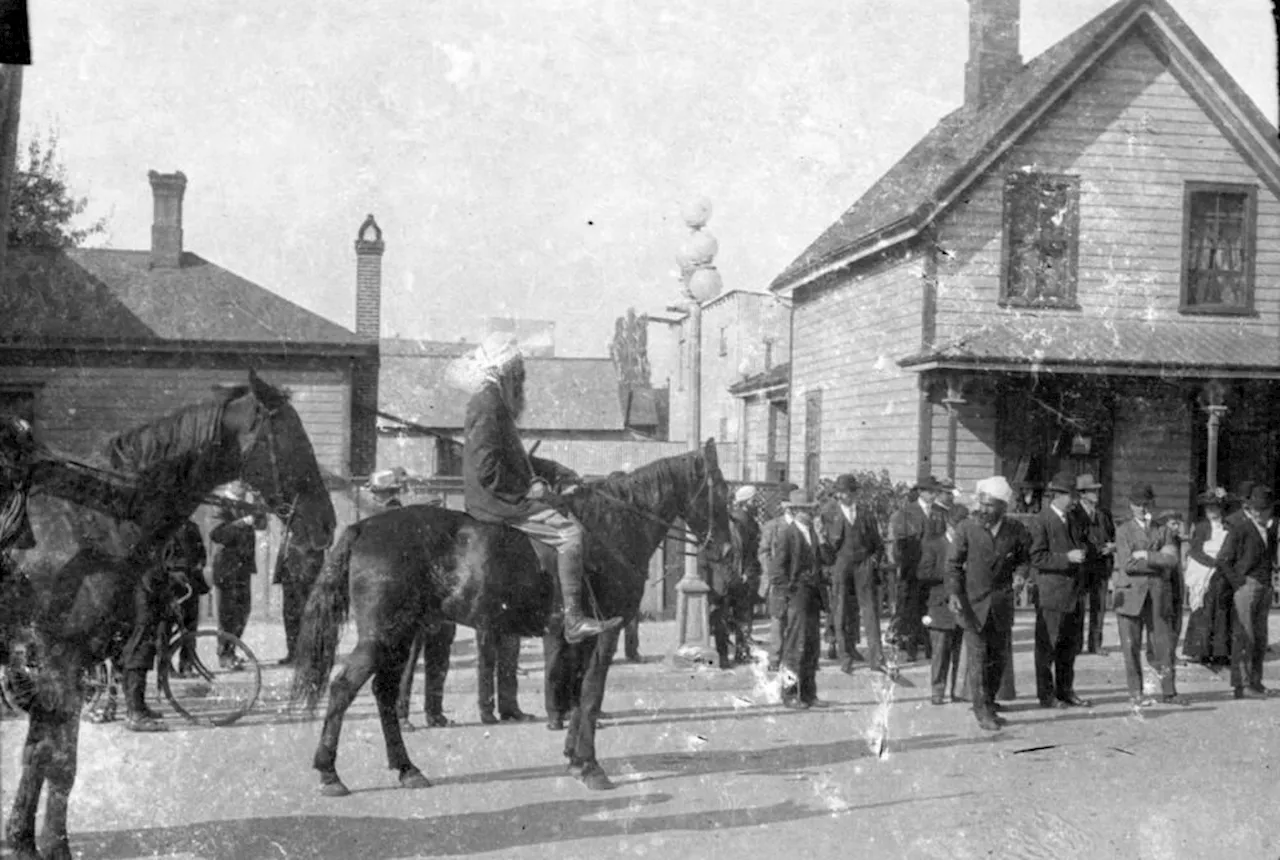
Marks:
<point>964,142</point>
<point>94,295</point>
<point>565,394</point>
<point>1050,342</point>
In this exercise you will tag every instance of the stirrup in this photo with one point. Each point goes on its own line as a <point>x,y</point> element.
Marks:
<point>579,627</point>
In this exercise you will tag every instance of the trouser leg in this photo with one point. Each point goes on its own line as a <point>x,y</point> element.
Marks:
<point>565,534</point>
<point>486,666</point>
<point>406,677</point>
<point>508,653</point>
<point>1130,628</point>
<point>869,610</point>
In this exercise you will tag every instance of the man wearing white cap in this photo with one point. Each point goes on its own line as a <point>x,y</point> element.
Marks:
<point>501,485</point>
<point>746,556</point>
<point>989,551</point>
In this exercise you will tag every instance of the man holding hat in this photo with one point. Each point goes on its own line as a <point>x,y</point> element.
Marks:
<point>990,550</point>
<point>1146,561</point>
<point>907,529</point>
<point>851,530</point>
<point>1058,553</point>
<point>1247,559</point>
<point>501,484</point>
<point>796,576</point>
<point>1097,527</point>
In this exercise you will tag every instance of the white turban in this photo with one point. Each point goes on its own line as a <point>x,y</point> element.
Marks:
<point>744,494</point>
<point>497,353</point>
<point>997,487</point>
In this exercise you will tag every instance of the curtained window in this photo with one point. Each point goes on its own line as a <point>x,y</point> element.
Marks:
<point>1218,257</point>
<point>1041,229</point>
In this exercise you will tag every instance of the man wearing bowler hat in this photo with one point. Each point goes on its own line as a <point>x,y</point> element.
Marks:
<point>1058,553</point>
<point>907,530</point>
<point>796,575</point>
<point>851,530</point>
<point>1247,559</point>
<point>1146,561</point>
<point>1099,530</point>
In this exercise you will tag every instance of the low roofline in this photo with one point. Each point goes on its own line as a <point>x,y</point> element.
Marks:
<point>367,349</point>
<point>925,363</point>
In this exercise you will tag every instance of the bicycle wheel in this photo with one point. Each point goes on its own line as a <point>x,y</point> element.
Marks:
<point>216,679</point>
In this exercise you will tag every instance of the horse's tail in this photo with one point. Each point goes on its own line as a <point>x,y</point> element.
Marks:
<point>322,621</point>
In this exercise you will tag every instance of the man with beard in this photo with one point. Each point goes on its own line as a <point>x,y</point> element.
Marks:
<point>501,484</point>
<point>1099,530</point>
<point>989,552</point>
<point>1058,552</point>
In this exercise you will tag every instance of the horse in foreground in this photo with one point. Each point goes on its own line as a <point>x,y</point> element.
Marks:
<point>404,568</point>
<point>95,533</point>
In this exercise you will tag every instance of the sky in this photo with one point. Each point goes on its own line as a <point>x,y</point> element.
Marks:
<point>524,159</point>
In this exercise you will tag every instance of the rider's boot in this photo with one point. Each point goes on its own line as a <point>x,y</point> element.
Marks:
<point>138,717</point>
<point>576,625</point>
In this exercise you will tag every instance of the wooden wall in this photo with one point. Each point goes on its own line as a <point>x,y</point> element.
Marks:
<point>1134,137</point>
<point>975,441</point>
<point>846,342</point>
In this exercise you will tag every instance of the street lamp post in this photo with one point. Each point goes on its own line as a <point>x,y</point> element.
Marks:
<point>700,282</point>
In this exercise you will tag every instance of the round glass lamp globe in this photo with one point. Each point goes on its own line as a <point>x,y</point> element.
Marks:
<point>696,212</point>
<point>705,284</point>
<point>699,249</point>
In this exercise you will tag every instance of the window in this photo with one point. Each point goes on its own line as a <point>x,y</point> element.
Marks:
<point>768,353</point>
<point>724,340</point>
<point>1041,224</point>
<point>1217,260</point>
<point>724,428</point>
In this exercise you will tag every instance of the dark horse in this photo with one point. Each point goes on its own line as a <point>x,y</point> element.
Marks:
<point>404,568</point>
<point>96,532</point>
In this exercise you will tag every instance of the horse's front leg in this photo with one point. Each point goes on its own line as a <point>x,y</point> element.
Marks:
<point>386,689</point>
<point>36,752</point>
<point>588,712</point>
<point>61,775</point>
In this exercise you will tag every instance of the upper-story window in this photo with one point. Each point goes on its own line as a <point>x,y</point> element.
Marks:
<point>724,340</point>
<point>1218,241</point>
<point>768,353</point>
<point>1041,239</point>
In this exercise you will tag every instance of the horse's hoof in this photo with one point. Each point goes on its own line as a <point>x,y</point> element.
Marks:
<point>414,779</point>
<point>334,788</point>
<point>594,778</point>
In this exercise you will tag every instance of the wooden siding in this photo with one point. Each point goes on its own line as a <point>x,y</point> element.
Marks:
<point>1134,136</point>
<point>846,342</point>
<point>1152,446</point>
<point>79,408</point>
<point>757,438</point>
<point>975,442</point>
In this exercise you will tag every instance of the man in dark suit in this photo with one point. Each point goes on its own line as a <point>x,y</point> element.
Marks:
<point>1095,525</point>
<point>1247,559</point>
<point>184,560</point>
<point>1058,552</point>
<point>433,644</point>
<point>944,628</point>
<point>775,601</point>
<point>854,537</point>
<point>907,529</point>
<point>297,570</point>
<point>1143,598</point>
<point>797,576</point>
<point>234,567</point>
<point>989,553</point>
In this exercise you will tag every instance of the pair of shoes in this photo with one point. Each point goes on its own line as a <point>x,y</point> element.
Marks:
<point>142,723</point>
<point>988,722</point>
<point>937,700</point>
<point>814,702</point>
<point>286,660</point>
<point>231,664</point>
<point>555,724</point>
<point>847,666</point>
<point>488,719</point>
<point>1250,693</point>
<point>958,699</point>
<point>516,717</point>
<point>1073,701</point>
<point>1053,703</point>
<point>634,658</point>
<point>438,721</point>
<point>407,727</point>
<point>1175,699</point>
<point>1142,701</point>
<point>796,704</point>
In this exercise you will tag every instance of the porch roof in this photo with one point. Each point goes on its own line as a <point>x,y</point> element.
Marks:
<point>775,378</point>
<point>1072,344</point>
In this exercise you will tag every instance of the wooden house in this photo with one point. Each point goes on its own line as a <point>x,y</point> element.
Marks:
<point>1078,268</point>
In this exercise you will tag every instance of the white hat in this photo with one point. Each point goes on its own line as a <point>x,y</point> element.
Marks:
<point>997,487</point>
<point>387,479</point>
<point>495,354</point>
<point>744,494</point>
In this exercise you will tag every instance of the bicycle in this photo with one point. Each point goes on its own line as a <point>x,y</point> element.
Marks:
<point>201,694</point>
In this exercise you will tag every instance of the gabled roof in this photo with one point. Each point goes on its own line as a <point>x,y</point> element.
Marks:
<point>564,394</point>
<point>966,142</point>
<point>94,295</point>
<point>1075,344</point>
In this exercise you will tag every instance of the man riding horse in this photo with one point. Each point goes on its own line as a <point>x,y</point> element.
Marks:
<point>503,484</point>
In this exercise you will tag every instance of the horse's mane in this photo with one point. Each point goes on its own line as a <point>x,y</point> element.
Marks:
<point>190,429</point>
<point>646,486</point>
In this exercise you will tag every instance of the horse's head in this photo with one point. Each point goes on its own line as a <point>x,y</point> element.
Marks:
<point>707,512</point>
<point>279,462</point>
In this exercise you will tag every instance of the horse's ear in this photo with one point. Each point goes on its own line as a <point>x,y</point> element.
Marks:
<point>262,390</point>
<point>709,454</point>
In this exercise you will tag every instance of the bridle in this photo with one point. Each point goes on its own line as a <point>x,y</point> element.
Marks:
<point>707,486</point>
<point>264,422</point>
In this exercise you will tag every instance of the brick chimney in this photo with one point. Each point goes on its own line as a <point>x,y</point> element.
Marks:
<point>993,50</point>
<point>364,377</point>
<point>167,190</point>
<point>369,248</point>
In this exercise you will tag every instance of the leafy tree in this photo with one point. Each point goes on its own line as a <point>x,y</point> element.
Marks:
<point>629,349</point>
<point>42,209</point>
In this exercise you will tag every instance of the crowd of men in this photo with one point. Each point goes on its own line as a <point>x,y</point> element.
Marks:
<point>950,575</point>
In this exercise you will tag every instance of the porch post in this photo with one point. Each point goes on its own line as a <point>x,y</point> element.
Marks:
<point>1212,398</point>
<point>953,401</point>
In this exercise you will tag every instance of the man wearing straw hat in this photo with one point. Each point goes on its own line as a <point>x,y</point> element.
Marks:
<point>990,550</point>
<point>500,482</point>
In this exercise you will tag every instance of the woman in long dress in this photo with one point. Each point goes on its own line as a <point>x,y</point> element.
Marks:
<point>1208,632</point>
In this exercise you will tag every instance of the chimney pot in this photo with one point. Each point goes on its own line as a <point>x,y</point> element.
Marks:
<point>167,191</point>
<point>994,59</point>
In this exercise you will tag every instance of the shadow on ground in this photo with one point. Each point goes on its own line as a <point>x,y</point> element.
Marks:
<point>342,838</point>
